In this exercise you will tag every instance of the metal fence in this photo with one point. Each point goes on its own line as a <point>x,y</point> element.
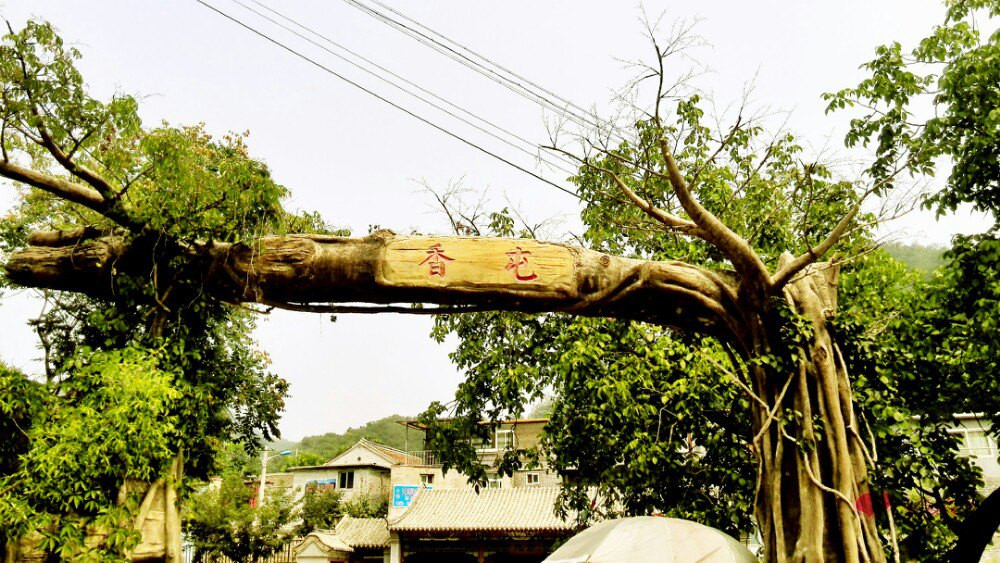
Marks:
<point>429,457</point>
<point>284,555</point>
<point>422,457</point>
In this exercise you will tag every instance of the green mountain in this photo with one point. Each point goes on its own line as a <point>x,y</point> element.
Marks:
<point>384,431</point>
<point>917,256</point>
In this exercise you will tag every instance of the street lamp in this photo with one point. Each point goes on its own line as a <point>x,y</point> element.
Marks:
<point>264,458</point>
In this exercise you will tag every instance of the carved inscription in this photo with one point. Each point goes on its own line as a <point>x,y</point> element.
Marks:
<point>479,262</point>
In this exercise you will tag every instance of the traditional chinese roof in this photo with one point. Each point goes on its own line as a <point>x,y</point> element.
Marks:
<point>396,456</point>
<point>386,457</point>
<point>519,509</point>
<point>326,541</point>
<point>363,532</point>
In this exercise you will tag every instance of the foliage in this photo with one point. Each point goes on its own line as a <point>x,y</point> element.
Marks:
<point>881,337</point>
<point>384,431</point>
<point>366,507</point>
<point>937,99</point>
<point>951,329</point>
<point>109,425</point>
<point>627,397</point>
<point>321,507</point>
<point>642,413</point>
<point>159,366</point>
<point>917,256</point>
<point>651,420</point>
<point>283,463</point>
<point>222,521</point>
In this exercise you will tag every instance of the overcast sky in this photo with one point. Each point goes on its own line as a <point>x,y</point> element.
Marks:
<point>359,162</point>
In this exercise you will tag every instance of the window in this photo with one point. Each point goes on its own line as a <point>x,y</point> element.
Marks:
<point>505,439</point>
<point>346,479</point>
<point>975,442</point>
<point>531,478</point>
<point>493,481</point>
<point>498,439</point>
<point>426,479</point>
<point>482,444</point>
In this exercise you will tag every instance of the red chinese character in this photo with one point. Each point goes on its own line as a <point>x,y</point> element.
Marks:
<point>516,259</point>
<point>436,258</point>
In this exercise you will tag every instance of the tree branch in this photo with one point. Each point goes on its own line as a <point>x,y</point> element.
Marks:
<point>668,219</point>
<point>88,197</point>
<point>80,171</point>
<point>319,272</point>
<point>797,264</point>
<point>788,270</point>
<point>736,249</point>
<point>70,191</point>
<point>46,141</point>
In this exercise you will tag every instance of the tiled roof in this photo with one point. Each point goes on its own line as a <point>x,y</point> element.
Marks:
<point>391,456</point>
<point>397,457</point>
<point>363,532</point>
<point>327,540</point>
<point>514,509</point>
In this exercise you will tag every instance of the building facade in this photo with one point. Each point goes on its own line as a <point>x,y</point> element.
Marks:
<point>438,516</point>
<point>422,469</point>
<point>362,471</point>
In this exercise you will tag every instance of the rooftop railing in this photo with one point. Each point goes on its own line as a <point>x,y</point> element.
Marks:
<point>430,457</point>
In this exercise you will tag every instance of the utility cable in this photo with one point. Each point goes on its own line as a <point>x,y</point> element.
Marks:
<point>383,78</point>
<point>507,82</point>
<point>567,103</point>
<point>386,100</point>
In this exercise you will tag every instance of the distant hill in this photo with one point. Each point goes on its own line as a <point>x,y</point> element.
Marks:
<point>384,431</point>
<point>281,445</point>
<point>917,256</point>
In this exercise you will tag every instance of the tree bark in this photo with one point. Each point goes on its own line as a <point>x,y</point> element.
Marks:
<point>977,530</point>
<point>813,481</point>
<point>814,502</point>
<point>311,271</point>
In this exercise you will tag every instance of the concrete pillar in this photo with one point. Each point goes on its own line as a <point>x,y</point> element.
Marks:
<point>395,549</point>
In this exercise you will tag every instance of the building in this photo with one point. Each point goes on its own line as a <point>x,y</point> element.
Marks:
<point>437,516</point>
<point>979,446</point>
<point>422,469</point>
<point>516,524</point>
<point>361,471</point>
<point>354,540</point>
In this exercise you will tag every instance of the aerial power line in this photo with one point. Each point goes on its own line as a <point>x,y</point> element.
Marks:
<point>385,100</point>
<point>387,77</point>
<point>491,69</point>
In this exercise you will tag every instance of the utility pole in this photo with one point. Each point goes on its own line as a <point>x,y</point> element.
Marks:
<point>264,458</point>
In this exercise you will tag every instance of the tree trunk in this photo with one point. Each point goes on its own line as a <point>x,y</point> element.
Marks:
<point>812,500</point>
<point>977,530</point>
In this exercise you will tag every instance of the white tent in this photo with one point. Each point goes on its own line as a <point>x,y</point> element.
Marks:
<point>651,538</point>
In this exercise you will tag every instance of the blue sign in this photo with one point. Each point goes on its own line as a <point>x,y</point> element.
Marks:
<point>402,495</point>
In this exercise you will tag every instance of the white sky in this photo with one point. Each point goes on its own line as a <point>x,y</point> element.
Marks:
<point>357,160</point>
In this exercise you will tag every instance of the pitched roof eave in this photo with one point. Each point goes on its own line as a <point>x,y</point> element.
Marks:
<point>522,509</point>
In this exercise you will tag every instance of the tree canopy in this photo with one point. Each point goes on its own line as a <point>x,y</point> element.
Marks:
<point>155,369</point>
<point>716,390</point>
<point>633,404</point>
